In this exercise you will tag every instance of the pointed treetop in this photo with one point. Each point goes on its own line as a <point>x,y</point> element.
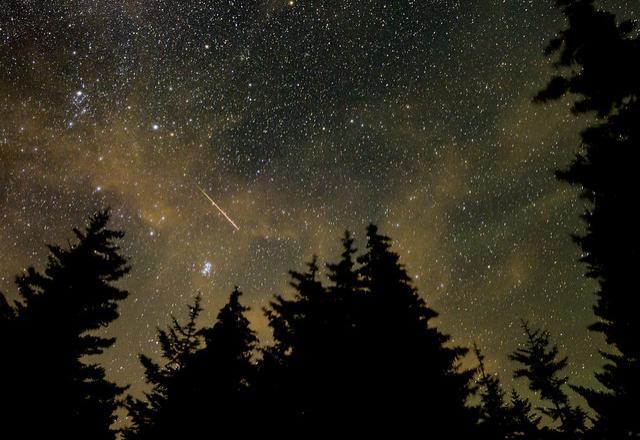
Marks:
<point>541,364</point>
<point>343,274</point>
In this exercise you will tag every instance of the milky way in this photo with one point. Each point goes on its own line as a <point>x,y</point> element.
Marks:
<point>304,118</point>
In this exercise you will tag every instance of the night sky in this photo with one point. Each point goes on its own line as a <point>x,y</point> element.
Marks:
<point>299,119</point>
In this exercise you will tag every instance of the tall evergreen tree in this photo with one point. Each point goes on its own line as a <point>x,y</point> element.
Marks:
<point>221,378</point>
<point>502,418</point>
<point>597,61</point>
<point>298,368</point>
<point>51,389</point>
<point>359,357</point>
<point>202,388</point>
<point>315,364</point>
<point>525,423</point>
<point>542,367</point>
<point>178,345</point>
<point>349,335</point>
<point>343,275</point>
<point>494,412</point>
<point>413,372</point>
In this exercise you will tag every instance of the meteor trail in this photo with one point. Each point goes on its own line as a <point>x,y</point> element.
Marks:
<point>219,209</point>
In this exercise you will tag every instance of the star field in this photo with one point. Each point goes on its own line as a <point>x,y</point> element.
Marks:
<point>300,119</point>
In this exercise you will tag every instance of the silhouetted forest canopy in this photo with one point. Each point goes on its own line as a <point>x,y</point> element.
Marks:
<point>354,351</point>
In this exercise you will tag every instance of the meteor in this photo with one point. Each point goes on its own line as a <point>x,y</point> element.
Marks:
<point>219,209</point>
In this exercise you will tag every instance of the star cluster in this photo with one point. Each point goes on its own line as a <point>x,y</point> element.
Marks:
<point>301,119</point>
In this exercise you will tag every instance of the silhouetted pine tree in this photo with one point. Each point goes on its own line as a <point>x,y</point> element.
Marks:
<point>299,370</point>
<point>316,364</point>
<point>203,387</point>
<point>414,380</point>
<point>494,413</point>
<point>597,60</point>
<point>50,389</point>
<point>343,275</point>
<point>359,357</point>
<point>222,375</point>
<point>178,345</point>
<point>499,418</point>
<point>525,423</point>
<point>542,367</point>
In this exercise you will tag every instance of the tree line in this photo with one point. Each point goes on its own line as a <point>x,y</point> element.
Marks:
<point>355,353</point>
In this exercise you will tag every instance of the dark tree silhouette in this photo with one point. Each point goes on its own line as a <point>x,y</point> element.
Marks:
<point>222,375</point>
<point>50,389</point>
<point>494,413</point>
<point>525,423</point>
<point>414,372</point>
<point>299,370</point>
<point>6,311</point>
<point>203,387</point>
<point>178,345</point>
<point>500,418</point>
<point>597,61</point>
<point>343,275</point>
<point>314,368</point>
<point>542,367</point>
<point>359,356</point>
<point>7,314</point>
<point>600,67</point>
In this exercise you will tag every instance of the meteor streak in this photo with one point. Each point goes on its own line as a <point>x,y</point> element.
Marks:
<point>219,209</point>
